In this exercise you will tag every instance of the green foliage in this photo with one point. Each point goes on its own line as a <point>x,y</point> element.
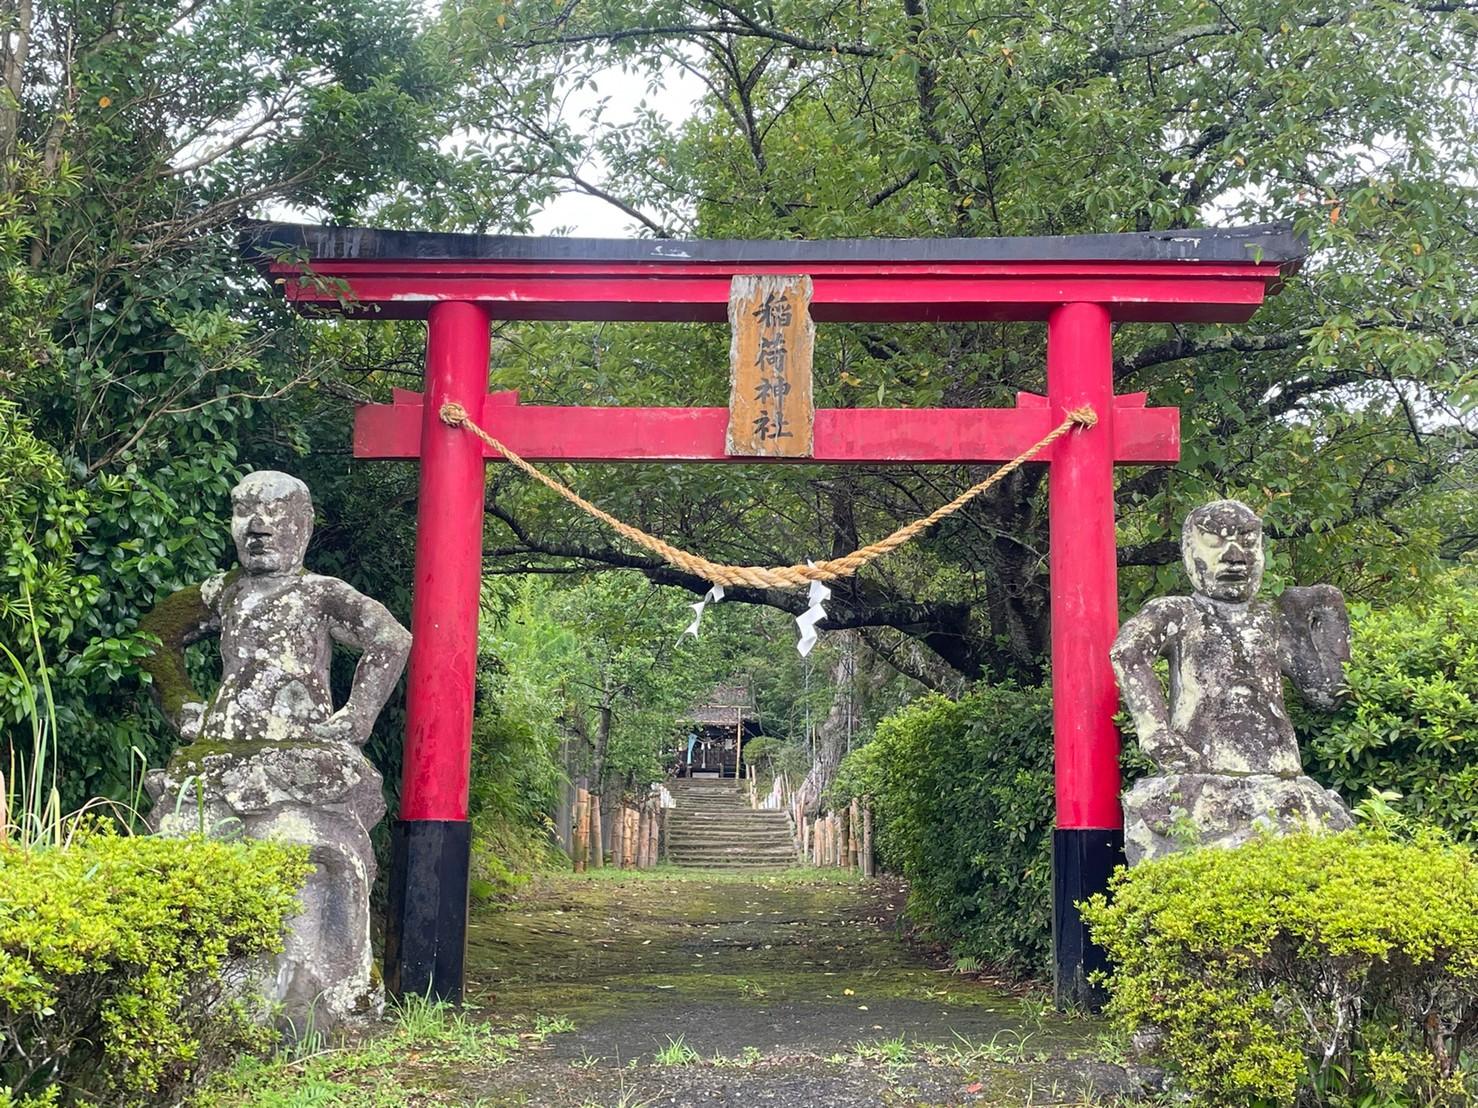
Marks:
<point>962,802</point>
<point>112,956</point>
<point>142,365</point>
<point>1339,411</point>
<point>1312,969</point>
<point>767,758</point>
<point>1410,724</point>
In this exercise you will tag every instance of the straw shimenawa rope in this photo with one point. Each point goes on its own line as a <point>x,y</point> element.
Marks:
<point>774,577</point>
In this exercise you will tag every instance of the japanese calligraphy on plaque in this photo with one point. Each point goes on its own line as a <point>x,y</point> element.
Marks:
<point>771,406</point>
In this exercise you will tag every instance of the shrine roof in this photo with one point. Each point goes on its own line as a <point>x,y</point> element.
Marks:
<point>1266,244</point>
<point>725,704</point>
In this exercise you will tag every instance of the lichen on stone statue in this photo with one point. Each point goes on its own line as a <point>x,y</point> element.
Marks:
<point>1227,756</point>
<point>268,755</point>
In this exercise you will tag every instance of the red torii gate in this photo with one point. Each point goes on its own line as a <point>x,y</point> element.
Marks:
<point>1078,285</point>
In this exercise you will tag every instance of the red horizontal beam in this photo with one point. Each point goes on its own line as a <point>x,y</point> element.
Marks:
<point>843,292</point>
<point>843,435</point>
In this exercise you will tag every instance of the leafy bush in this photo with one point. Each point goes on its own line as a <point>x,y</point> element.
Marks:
<point>1312,970</point>
<point>768,758</point>
<point>962,800</point>
<point>1411,722</point>
<point>115,957</point>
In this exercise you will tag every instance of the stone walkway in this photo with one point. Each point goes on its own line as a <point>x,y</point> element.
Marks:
<point>705,988</point>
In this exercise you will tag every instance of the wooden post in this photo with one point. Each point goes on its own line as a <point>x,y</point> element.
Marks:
<point>652,811</point>
<point>854,841</point>
<point>580,847</point>
<point>597,846</point>
<point>867,860</point>
<point>431,842</point>
<point>618,832</point>
<point>646,836</point>
<point>628,843</point>
<point>1088,841</point>
<point>844,836</point>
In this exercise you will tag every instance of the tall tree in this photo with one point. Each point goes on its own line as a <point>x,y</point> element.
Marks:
<point>143,366</point>
<point>1342,413</point>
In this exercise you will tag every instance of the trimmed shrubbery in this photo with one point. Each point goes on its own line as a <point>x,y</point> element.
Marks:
<point>114,957</point>
<point>1410,724</point>
<point>1312,970</point>
<point>962,795</point>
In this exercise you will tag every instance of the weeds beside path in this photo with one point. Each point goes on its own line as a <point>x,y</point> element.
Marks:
<point>683,987</point>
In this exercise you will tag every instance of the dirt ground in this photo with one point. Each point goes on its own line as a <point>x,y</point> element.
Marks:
<point>704,988</point>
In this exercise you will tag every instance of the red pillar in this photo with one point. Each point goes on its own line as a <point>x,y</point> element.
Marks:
<point>1089,838</point>
<point>425,941</point>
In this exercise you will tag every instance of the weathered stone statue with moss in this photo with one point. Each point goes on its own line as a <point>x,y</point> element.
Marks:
<point>1228,760</point>
<point>269,755</point>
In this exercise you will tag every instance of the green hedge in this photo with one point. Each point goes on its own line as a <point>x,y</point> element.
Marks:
<point>962,800</point>
<point>111,960</point>
<point>1411,721</point>
<point>1311,970</point>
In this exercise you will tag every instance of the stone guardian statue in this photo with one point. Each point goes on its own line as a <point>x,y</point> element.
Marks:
<point>1227,756</point>
<point>269,755</point>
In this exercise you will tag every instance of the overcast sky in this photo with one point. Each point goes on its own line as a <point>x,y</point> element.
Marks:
<point>578,214</point>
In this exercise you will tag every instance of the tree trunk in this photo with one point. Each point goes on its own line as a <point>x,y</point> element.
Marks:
<point>12,75</point>
<point>566,809</point>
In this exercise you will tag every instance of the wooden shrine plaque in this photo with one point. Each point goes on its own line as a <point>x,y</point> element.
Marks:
<point>771,405</point>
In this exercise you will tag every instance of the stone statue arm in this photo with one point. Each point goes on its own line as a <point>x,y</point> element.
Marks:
<point>1141,640</point>
<point>367,625</point>
<point>1315,642</point>
<point>182,618</point>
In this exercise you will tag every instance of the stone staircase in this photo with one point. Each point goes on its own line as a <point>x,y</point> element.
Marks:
<point>713,827</point>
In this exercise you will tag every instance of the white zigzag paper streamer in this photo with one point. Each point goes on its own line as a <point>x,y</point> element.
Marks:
<point>713,595</point>
<point>813,615</point>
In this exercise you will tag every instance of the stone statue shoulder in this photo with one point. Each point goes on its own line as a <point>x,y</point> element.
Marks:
<point>1154,625</point>
<point>1168,607</point>
<point>213,589</point>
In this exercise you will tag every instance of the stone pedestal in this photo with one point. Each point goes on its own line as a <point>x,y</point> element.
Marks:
<point>325,796</point>
<point>1166,814</point>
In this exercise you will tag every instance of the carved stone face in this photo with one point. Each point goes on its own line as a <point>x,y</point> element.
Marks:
<point>1222,548</point>
<point>271,522</point>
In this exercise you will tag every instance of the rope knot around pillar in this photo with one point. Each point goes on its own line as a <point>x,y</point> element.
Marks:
<point>776,577</point>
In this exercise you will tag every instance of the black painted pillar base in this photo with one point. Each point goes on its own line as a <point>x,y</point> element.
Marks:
<point>426,917</point>
<point>1082,860</point>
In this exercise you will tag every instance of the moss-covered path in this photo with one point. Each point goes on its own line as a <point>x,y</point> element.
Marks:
<point>690,987</point>
<point>684,987</point>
